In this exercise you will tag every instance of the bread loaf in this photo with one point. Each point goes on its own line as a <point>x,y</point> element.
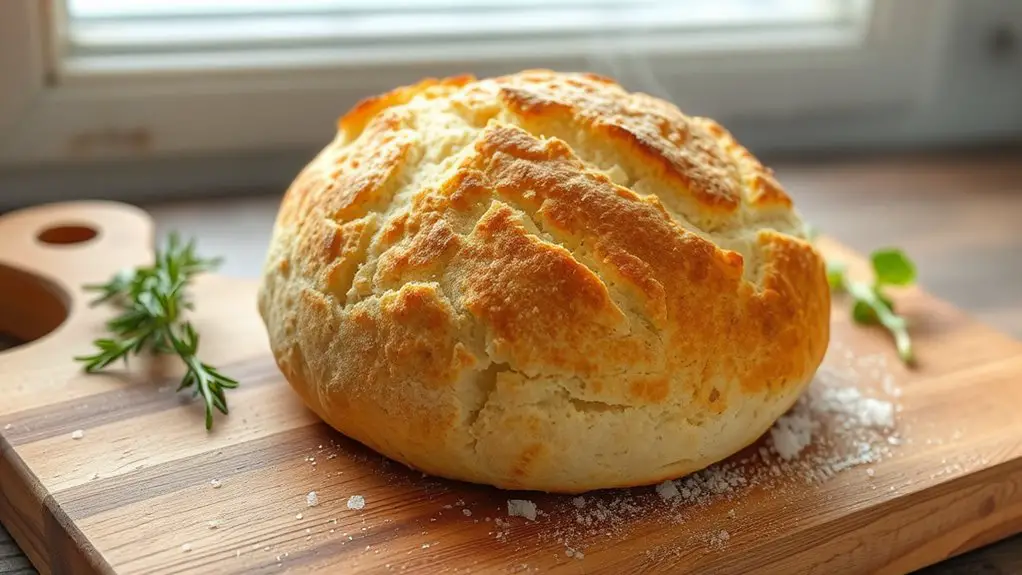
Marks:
<point>542,281</point>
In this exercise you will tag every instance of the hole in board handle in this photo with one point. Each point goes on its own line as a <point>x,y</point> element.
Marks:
<point>30,307</point>
<point>67,234</point>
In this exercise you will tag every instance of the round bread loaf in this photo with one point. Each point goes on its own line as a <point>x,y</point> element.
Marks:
<point>542,281</point>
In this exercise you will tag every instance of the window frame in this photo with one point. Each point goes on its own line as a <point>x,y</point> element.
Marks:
<point>791,89</point>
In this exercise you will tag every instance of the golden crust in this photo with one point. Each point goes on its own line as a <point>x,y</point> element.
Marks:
<point>542,281</point>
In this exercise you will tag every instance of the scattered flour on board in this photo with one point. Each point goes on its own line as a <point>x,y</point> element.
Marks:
<point>845,419</point>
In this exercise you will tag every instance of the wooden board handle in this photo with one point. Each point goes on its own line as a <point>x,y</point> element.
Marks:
<point>48,252</point>
<point>76,242</point>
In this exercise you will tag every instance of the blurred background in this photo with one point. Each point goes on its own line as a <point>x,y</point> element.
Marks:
<point>150,99</point>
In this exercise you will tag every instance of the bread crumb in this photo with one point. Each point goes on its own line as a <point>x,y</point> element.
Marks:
<point>466,512</point>
<point>579,502</point>
<point>77,434</point>
<point>312,499</point>
<point>215,483</point>
<point>356,502</point>
<point>521,508</point>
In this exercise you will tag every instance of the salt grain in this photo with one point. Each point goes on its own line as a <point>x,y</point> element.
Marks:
<point>521,508</point>
<point>77,434</point>
<point>356,502</point>
<point>312,499</point>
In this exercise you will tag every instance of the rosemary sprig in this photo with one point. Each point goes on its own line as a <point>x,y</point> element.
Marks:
<point>152,300</point>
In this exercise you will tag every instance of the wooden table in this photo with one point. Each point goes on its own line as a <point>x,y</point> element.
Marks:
<point>959,216</point>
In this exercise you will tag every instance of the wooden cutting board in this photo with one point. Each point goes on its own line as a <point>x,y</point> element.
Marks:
<point>134,493</point>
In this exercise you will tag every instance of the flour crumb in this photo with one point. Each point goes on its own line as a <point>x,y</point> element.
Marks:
<point>870,472</point>
<point>521,508</point>
<point>466,512</point>
<point>356,502</point>
<point>8,426</point>
<point>876,413</point>
<point>215,483</point>
<point>77,434</point>
<point>214,524</point>
<point>719,539</point>
<point>95,476</point>
<point>312,499</point>
<point>792,433</point>
<point>579,502</point>
<point>186,547</point>
<point>299,516</point>
<point>667,490</point>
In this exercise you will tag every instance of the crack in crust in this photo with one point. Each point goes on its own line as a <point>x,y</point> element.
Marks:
<point>542,281</point>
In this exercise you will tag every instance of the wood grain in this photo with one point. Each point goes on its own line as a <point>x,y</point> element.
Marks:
<point>957,217</point>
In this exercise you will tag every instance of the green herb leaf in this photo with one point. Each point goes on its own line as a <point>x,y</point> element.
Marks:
<point>836,275</point>
<point>893,267</point>
<point>863,313</point>
<point>870,305</point>
<point>151,300</point>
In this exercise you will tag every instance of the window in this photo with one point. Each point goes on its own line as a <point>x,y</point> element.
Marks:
<point>127,81</point>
